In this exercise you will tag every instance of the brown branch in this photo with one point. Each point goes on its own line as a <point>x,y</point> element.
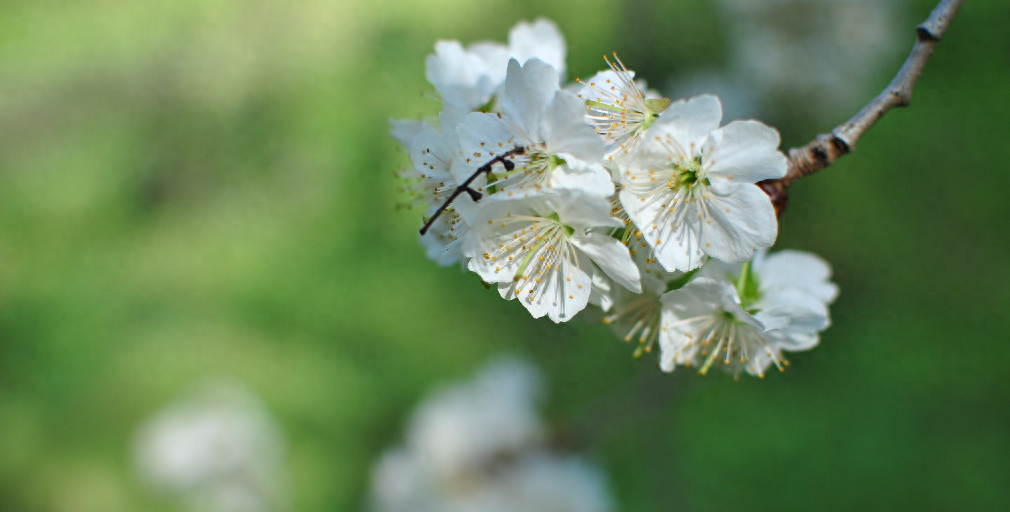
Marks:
<point>828,147</point>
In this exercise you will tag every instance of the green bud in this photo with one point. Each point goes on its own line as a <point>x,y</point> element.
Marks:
<point>658,106</point>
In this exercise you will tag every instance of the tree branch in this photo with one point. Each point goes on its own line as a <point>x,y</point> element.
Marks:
<point>828,147</point>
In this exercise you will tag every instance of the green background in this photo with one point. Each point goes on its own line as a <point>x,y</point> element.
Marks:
<point>191,188</point>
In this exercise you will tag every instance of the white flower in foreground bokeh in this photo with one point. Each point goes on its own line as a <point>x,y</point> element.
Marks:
<point>478,447</point>
<point>690,187</point>
<point>620,108</point>
<point>470,77</point>
<point>561,150</point>
<point>495,413</point>
<point>540,249</point>
<point>216,450</point>
<point>748,315</point>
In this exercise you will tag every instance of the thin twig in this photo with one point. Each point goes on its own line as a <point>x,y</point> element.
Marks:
<point>465,186</point>
<point>828,147</point>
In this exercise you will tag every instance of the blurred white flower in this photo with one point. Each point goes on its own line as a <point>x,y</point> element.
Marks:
<point>470,77</point>
<point>460,427</point>
<point>818,56</point>
<point>216,449</point>
<point>690,188</point>
<point>478,447</point>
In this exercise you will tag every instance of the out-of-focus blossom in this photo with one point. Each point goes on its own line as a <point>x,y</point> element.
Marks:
<point>470,77</point>
<point>819,57</point>
<point>478,447</point>
<point>216,449</point>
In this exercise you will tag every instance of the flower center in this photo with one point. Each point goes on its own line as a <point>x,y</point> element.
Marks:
<point>690,173</point>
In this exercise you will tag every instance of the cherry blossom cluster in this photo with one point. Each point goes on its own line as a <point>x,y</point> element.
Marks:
<point>603,192</point>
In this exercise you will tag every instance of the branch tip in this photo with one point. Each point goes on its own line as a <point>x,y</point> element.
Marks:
<point>826,148</point>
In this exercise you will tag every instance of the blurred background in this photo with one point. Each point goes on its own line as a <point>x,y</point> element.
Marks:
<point>204,189</point>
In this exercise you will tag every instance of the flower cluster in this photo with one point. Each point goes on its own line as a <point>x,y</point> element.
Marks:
<point>601,192</point>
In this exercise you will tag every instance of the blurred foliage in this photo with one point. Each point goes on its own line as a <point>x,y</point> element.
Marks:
<point>192,188</point>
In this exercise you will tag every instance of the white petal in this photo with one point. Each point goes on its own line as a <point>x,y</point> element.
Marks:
<point>691,121</point>
<point>806,316</point>
<point>676,247</point>
<point>566,292</point>
<point>802,309</point>
<point>701,298</point>
<point>612,257</point>
<point>458,75</point>
<point>719,270</point>
<point>467,209</point>
<point>744,152</point>
<point>528,89</point>
<point>437,244</point>
<point>482,134</point>
<point>793,338</point>
<point>450,118</point>
<point>406,130</point>
<point>604,293</point>
<point>651,282</point>
<point>487,233</point>
<point>585,92</point>
<point>797,269</point>
<point>739,223</point>
<point>495,57</point>
<point>582,210</point>
<point>576,175</point>
<point>541,39</point>
<point>564,129</point>
<point>431,156</point>
<point>731,304</point>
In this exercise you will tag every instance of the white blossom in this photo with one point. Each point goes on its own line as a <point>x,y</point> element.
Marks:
<point>748,315</point>
<point>620,108</point>
<point>560,149</point>
<point>216,449</point>
<point>470,77</point>
<point>690,188</point>
<point>541,249</point>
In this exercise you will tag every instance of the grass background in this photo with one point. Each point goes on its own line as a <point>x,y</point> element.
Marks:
<point>192,188</point>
